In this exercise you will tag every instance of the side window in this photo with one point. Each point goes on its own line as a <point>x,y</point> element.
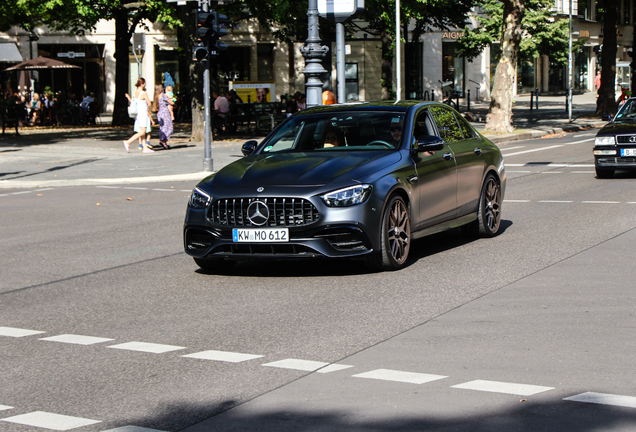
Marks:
<point>423,125</point>
<point>449,130</point>
<point>465,127</point>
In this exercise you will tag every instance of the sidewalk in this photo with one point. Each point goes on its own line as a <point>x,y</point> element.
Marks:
<point>47,157</point>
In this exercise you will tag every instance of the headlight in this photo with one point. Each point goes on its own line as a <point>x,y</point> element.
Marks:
<point>348,196</point>
<point>199,199</point>
<point>604,152</point>
<point>604,140</point>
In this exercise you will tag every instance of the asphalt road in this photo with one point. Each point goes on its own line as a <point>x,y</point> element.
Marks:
<point>486,335</point>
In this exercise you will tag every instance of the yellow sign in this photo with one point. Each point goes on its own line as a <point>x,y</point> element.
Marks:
<point>255,91</point>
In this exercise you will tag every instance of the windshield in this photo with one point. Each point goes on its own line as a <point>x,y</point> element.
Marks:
<point>627,111</point>
<point>339,131</point>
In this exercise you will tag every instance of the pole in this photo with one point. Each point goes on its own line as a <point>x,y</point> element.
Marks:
<point>398,53</point>
<point>313,52</point>
<point>569,96</point>
<point>340,61</point>
<point>208,163</point>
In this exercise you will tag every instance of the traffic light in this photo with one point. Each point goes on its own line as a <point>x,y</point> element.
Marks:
<point>209,31</point>
<point>205,21</point>
<point>218,31</point>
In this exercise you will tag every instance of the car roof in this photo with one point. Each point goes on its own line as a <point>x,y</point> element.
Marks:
<point>394,106</point>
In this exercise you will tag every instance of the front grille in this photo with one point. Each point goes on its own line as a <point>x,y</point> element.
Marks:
<point>283,212</point>
<point>618,160</point>
<point>626,139</point>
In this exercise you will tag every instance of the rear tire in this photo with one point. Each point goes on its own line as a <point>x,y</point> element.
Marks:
<point>488,221</point>
<point>604,173</point>
<point>395,237</point>
<point>217,266</point>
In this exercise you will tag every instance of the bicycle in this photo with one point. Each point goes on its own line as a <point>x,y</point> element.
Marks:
<point>452,94</point>
<point>68,114</point>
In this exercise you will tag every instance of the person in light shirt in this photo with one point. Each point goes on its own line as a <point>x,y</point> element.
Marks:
<point>221,106</point>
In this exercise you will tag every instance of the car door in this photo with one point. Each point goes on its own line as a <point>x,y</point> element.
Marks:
<point>468,158</point>
<point>437,177</point>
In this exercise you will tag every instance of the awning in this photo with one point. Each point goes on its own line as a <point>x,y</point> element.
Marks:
<point>9,53</point>
<point>622,64</point>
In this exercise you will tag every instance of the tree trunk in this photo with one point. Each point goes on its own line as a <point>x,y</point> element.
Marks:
<point>122,42</point>
<point>499,117</point>
<point>387,68</point>
<point>606,104</point>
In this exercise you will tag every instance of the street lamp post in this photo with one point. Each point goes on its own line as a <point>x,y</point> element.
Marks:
<point>313,52</point>
<point>570,69</point>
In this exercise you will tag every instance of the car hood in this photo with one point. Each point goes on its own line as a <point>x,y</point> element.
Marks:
<point>619,127</point>
<point>302,169</point>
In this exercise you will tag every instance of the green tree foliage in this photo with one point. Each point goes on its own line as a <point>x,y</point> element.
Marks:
<point>543,34</point>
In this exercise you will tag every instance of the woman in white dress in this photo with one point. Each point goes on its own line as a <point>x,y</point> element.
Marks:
<point>143,119</point>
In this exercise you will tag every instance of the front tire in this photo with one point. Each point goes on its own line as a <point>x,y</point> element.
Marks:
<point>215,266</point>
<point>395,237</point>
<point>604,173</point>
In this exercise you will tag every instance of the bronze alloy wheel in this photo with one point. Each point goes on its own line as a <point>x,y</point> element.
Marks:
<point>398,231</point>
<point>491,206</point>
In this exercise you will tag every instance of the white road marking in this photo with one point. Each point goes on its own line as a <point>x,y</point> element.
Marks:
<point>511,148</point>
<point>20,193</point>
<point>16,332</point>
<point>551,172</point>
<point>109,187</point>
<point>76,339</point>
<point>147,347</point>
<point>604,399</point>
<point>508,172</point>
<point>132,429</point>
<point>551,165</point>
<point>134,188</point>
<point>582,172</point>
<point>5,407</point>
<point>581,141</point>
<point>601,202</point>
<point>42,190</point>
<point>333,368</point>
<point>533,150</point>
<point>4,195</point>
<point>223,356</point>
<point>165,190</point>
<point>503,387</point>
<point>186,190</point>
<point>399,376</point>
<point>306,365</point>
<point>50,421</point>
<point>516,201</point>
<point>556,201</point>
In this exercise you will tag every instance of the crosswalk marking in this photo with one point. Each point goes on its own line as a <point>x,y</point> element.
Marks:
<point>400,376</point>
<point>306,365</point>
<point>147,347</point>
<point>76,339</point>
<point>16,332</point>
<point>132,429</point>
<point>5,407</point>
<point>223,356</point>
<point>503,387</point>
<point>604,399</point>
<point>48,420</point>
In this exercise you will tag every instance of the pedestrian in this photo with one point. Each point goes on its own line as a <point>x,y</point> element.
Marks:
<point>597,80</point>
<point>36,108</point>
<point>140,103</point>
<point>165,116</point>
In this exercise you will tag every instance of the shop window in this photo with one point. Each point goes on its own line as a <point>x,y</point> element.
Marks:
<point>581,61</point>
<point>452,66</point>
<point>265,60</point>
<point>525,77</point>
<point>352,92</point>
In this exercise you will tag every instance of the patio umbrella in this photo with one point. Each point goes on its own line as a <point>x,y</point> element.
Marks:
<point>42,63</point>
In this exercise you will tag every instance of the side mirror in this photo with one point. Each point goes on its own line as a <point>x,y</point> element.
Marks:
<point>429,143</point>
<point>606,117</point>
<point>249,147</point>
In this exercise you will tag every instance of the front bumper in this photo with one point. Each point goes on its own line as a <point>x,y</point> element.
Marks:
<point>615,161</point>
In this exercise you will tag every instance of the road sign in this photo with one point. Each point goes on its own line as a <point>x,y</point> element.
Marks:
<point>340,10</point>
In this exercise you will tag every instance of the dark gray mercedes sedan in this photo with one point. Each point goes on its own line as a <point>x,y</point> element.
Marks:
<point>348,181</point>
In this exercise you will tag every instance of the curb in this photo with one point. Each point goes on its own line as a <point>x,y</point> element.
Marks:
<point>538,133</point>
<point>19,184</point>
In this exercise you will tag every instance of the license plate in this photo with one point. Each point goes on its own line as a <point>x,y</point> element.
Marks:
<point>260,235</point>
<point>628,152</point>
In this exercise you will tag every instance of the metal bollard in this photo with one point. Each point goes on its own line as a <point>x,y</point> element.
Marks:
<point>567,101</point>
<point>457,101</point>
<point>531,99</point>
<point>468,100</point>
<point>433,95</point>
<point>536,96</point>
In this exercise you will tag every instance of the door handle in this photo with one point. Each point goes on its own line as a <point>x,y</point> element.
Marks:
<point>448,156</point>
<point>477,151</point>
